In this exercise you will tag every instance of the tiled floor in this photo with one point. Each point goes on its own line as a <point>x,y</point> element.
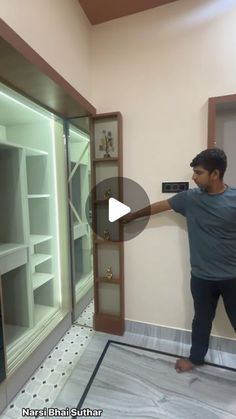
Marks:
<point>121,390</point>
<point>155,390</point>
<point>48,380</point>
<point>86,318</point>
<point>61,379</point>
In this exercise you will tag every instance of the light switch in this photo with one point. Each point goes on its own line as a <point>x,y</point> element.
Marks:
<point>174,187</point>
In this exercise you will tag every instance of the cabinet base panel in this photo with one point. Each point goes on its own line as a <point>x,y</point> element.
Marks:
<point>108,324</point>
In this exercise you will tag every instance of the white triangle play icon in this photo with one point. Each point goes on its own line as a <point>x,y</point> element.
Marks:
<point>117,210</point>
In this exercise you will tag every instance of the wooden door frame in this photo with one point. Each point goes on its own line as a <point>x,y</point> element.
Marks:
<point>212,104</point>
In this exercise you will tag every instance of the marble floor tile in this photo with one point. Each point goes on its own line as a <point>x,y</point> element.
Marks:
<point>62,377</point>
<point>203,382</point>
<point>135,383</point>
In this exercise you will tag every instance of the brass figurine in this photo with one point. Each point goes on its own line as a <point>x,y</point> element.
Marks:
<point>109,273</point>
<point>106,235</point>
<point>108,194</point>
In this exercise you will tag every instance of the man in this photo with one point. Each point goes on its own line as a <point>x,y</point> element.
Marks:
<point>210,212</point>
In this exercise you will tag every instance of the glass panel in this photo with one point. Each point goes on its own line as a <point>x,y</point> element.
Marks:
<point>2,343</point>
<point>79,178</point>
<point>103,225</point>
<point>33,223</point>
<point>105,171</point>
<point>106,138</point>
<point>108,257</point>
<point>109,298</point>
<point>109,187</point>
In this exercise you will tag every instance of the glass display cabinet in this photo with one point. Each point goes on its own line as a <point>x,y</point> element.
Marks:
<point>108,244</point>
<point>34,255</point>
<point>81,236</point>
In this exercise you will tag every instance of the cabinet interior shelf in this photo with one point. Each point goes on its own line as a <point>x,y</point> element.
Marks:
<point>38,238</point>
<point>105,159</point>
<point>34,152</point>
<point>40,279</point>
<point>8,248</point>
<point>39,258</point>
<point>28,150</point>
<point>110,281</point>
<point>38,196</point>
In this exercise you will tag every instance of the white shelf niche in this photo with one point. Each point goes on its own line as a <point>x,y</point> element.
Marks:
<point>38,238</point>
<point>40,279</point>
<point>32,152</point>
<point>12,255</point>
<point>37,174</point>
<point>38,258</point>
<point>39,217</point>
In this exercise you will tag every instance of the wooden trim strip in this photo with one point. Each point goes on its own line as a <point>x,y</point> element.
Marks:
<point>11,37</point>
<point>212,103</point>
<point>211,123</point>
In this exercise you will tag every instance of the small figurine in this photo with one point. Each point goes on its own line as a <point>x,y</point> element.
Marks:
<point>106,235</point>
<point>108,194</point>
<point>109,273</point>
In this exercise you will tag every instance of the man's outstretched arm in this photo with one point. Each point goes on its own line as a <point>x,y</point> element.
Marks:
<point>152,209</point>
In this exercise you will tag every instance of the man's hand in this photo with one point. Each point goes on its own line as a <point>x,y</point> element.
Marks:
<point>127,218</point>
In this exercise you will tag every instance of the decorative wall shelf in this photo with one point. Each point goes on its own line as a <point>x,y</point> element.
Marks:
<point>108,253</point>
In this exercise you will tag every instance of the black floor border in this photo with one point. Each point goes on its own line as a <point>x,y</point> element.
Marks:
<point>110,341</point>
<point>87,388</point>
<point>169,354</point>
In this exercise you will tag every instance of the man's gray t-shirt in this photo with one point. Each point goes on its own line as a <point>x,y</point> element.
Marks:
<point>211,222</point>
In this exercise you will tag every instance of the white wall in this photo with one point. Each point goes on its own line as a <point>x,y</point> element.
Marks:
<point>159,68</point>
<point>59,31</point>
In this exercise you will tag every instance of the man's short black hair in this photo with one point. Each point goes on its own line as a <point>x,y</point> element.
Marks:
<point>211,159</point>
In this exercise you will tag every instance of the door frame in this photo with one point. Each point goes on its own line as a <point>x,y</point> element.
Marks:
<point>212,104</point>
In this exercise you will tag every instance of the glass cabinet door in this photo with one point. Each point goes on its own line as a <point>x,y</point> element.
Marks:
<point>34,255</point>
<point>81,236</point>
<point>2,343</point>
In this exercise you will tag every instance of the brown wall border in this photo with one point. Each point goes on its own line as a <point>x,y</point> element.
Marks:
<point>39,68</point>
<point>212,103</point>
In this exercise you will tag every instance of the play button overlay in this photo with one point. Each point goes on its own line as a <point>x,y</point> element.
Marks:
<point>117,210</point>
<point>109,201</point>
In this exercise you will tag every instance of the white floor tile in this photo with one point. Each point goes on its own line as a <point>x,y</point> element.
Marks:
<point>42,389</point>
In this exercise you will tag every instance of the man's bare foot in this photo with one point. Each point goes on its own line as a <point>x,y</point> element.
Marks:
<point>183,364</point>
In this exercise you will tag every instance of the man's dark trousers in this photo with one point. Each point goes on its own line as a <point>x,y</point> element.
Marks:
<point>205,295</point>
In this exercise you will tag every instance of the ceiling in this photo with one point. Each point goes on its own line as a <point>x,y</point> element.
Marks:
<point>98,11</point>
